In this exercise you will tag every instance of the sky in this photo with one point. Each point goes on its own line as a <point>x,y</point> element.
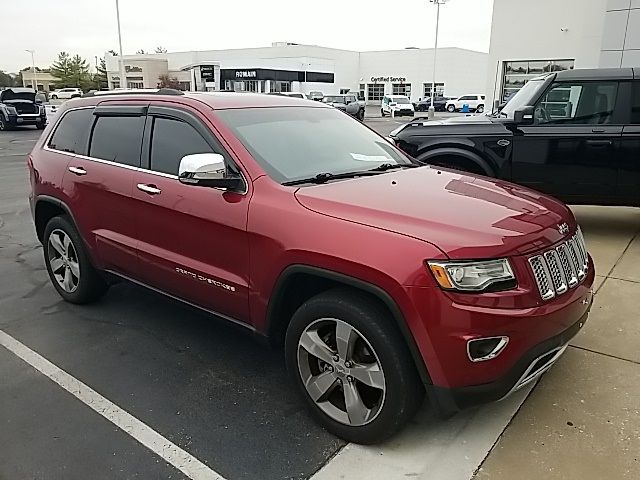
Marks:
<point>88,27</point>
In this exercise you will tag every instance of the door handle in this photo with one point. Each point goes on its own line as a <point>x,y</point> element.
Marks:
<point>150,189</point>
<point>599,143</point>
<point>78,171</point>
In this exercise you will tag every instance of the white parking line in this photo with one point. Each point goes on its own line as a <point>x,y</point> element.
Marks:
<point>170,452</point>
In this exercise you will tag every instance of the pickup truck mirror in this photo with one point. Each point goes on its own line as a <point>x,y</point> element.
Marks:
<point>207,170</point>
<point>524,115</point>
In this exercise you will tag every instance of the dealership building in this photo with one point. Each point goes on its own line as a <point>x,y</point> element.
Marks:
<point>530,38</point>
<point>285,67</point>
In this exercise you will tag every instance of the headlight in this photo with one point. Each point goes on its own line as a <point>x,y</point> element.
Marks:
<point>472,276</point>
<point>11,110</point>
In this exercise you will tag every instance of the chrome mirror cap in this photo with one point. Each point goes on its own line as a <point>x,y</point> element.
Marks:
<point>202,166</point>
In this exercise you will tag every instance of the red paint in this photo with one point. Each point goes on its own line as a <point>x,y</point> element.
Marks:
<point>378,229</point>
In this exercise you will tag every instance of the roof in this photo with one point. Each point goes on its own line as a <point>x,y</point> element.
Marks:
<point>21,89</point>
<point>599,74</point>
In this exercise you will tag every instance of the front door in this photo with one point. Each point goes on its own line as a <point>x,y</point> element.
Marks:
<point>572,150</point>
<point>98,182</point>
<point>192,240</point>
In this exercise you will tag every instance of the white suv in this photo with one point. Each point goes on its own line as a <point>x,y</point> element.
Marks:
<point>396,106</point>
<point>475,102</point>
<point>66,93</point>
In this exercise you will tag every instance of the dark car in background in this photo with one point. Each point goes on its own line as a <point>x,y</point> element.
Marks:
<point>18,107</point>
<point>573,134</point>
<point>439,104</point>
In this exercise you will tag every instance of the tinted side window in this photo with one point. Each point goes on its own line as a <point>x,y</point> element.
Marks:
<point>635,104</point>
<point>118,139</point>
<point>170,141</point>
<point>72,133</point>
<point>585,103</point>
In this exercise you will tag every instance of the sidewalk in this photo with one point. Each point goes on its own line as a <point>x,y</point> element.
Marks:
<point>582,421</point>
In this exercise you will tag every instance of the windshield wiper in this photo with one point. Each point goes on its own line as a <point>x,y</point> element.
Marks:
<point>326,176</point>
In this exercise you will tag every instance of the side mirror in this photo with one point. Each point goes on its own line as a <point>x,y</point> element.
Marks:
<point>207,170</point>
<point>524,115</point>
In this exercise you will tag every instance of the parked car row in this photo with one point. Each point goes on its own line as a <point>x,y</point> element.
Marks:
<point>460,286</point>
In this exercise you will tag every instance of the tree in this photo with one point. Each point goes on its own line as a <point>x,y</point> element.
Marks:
<point>168,82</point>
<point>140,52</point>
<point>160,50</point>
<point>112,52</point>
<point>7,80</point>
<point>71,71</point>
<point>100,78</point>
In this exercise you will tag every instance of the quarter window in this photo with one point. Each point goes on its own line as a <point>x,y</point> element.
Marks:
<point>117,139</point>
<point>72,133</point>
<point>171,140</point>
<point>584,103</point>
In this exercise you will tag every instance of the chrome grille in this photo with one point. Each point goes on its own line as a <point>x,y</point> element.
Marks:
<point>561,268</point>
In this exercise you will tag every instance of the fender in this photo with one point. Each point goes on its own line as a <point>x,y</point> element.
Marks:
<point>277,297</point>
<point>458,152</point>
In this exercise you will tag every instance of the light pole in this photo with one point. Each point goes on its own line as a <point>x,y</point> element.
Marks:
<point>123,79</point>
<point>437,3</point>
<point>34,81</point>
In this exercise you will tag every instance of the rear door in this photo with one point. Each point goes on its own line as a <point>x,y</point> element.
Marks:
<point>99,185</point>
<point>192,240</point>
<point>629,179</point>
<point>573,150</point>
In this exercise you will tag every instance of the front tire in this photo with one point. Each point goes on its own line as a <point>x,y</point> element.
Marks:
<point>40,125</point>
<point>68,264</point>
<point>4,126</point>
<point>361,115</point>
<point>451,109</point>
<point>54,97</point>
<point>382,112</point>
<point>352,367</point>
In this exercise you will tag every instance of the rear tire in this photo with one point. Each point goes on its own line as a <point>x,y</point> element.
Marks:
<point>480,109</point>
<point>371,371</point>
<point>68,264</point>
<point>54,97</point>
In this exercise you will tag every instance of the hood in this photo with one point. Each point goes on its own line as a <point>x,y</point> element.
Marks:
<point>466,120</point>
<point>340,106</point>
<point>403,106</point>
<point>22,94</point>
<point>466,216</point>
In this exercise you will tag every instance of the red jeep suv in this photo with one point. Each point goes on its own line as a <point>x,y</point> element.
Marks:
<point>383,279</point>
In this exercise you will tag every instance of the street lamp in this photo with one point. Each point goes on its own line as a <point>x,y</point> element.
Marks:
<point>437,3</point>
<point>34,82</point>
<point>123,80</point>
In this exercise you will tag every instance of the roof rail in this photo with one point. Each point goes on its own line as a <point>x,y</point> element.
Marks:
<point>136,91</point>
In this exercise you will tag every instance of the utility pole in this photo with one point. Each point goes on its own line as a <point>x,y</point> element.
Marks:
<point>437,3</point>
<point>34,80</point>
<point>123,78</point>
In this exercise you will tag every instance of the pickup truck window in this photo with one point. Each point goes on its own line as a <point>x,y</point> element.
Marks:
<point>291,143</point>
<point>578,103</point>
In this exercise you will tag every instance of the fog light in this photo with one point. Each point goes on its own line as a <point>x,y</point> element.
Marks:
<point>483,349</point>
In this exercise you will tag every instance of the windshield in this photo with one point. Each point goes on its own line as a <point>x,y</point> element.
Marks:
<point>334,100</point>
<point>400,100</point>
<point>292,143</point>
<point>522,98</point>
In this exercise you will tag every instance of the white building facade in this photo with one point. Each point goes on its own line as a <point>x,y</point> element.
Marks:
<point>285,67</point>
<point>530,38</point>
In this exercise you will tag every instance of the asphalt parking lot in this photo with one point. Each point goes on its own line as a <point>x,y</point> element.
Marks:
<point>221,397</point>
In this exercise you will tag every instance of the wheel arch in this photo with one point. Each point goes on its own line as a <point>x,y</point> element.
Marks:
<point>463,153</point>
<point>298,283</point>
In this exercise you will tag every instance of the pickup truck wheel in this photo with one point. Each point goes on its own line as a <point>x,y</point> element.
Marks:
<point>40,125</point>
<point>4,126</point>
<point>68,264</point>
<point>451,109</point>
<point>361,114</point>
<point>352,367</point>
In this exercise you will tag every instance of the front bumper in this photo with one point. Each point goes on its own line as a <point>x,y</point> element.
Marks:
<point>26,119</point>
<point>402,113</point>
<point>527,369</point>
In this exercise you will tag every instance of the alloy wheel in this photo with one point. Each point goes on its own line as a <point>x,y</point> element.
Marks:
<point>63,260</point>
<point>341,372</point>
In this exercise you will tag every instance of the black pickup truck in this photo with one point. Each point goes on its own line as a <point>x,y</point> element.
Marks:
<point>573,134</point>
<point>18,107</point>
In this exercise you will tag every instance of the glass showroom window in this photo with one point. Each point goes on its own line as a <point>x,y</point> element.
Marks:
<point>401,89</point>
<point>135,83</point>
<point>375,91</point>
<point>439,90</point>
<point>516,74</point>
